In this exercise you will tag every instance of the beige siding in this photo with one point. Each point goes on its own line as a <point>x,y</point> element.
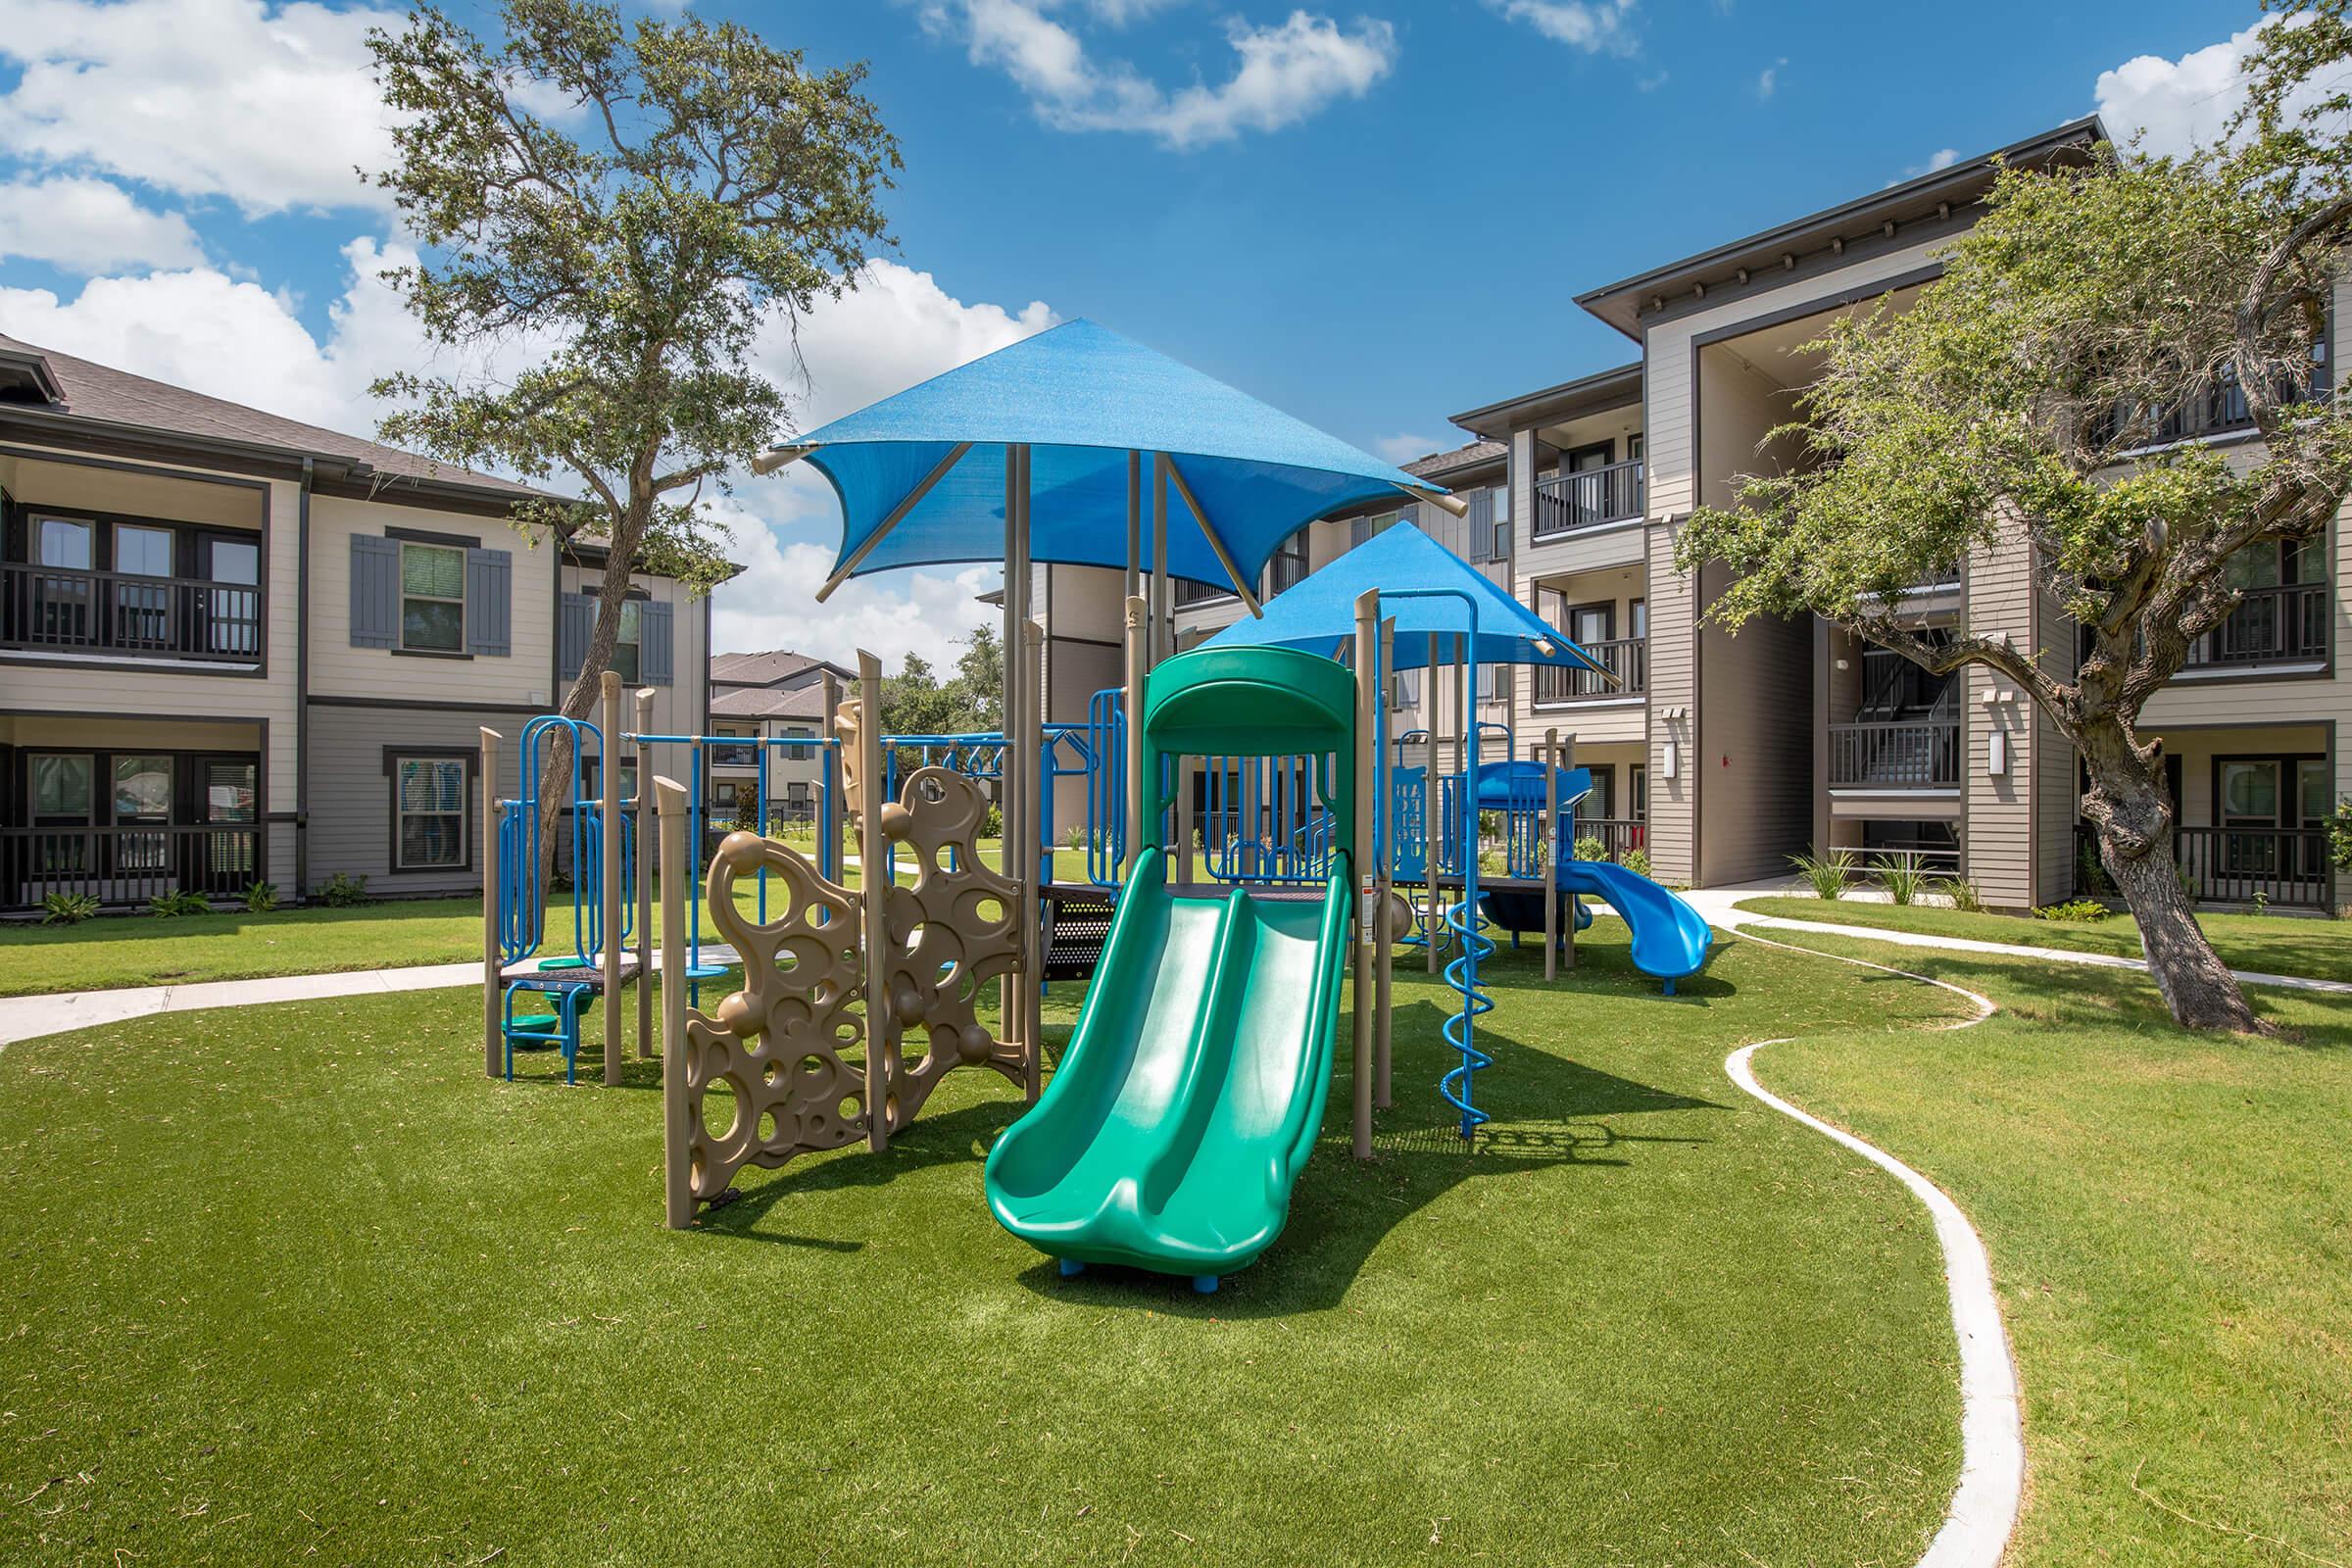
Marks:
<point>2056,801</point>
<point>682,708</point>
<point>2000,855</point>
<point>339,669</point>
<point>350,793</point>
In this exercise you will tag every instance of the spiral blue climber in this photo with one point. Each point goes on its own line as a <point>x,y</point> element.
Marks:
<point>1471,944</point>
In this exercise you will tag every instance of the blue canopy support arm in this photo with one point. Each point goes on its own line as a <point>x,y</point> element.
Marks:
<point>914,498</point>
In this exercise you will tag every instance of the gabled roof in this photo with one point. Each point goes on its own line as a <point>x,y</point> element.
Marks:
<point>1597,393</point>
<point>1901,213</point>
<point>61,395</point>
<point>1473,454</point>
<point>761,702</point>
<point>768,668</point>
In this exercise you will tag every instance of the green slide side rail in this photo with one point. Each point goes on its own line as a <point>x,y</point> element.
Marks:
<point>1192,1093</point>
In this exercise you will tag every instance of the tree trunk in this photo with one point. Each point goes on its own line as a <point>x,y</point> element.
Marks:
<point>580,701</point>
<point>2127,806</point>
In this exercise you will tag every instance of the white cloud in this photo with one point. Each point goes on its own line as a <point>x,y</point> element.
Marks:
<point>1285,73</point>
<point>1593,25</point>
<point>2173,105</point>
<point>79,224</point>
<point>1768,81</point>
<point>272,108</point>
<point>1404,448</point>
<point>890,614</point>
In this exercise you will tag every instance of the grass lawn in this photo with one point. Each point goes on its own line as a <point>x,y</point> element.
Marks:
<point>2272,944</point>
<point>299,1281</point>
<point>2169,1219</point>
<point>137,949</point>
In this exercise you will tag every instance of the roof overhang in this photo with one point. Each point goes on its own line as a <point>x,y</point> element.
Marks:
<point>1597,393</point>
<point>1916,210</point>
<point>21,372</point>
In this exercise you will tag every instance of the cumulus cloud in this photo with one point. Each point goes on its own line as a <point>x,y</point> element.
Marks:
<point>2174,105</point>
<point>1593,25</point>
<point>1283,73</point>
<point>1768,81</point>
<point>272,107</point>
<point>84,226</point>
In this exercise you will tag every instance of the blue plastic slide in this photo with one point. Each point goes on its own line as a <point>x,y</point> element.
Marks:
<point>1670,938</point>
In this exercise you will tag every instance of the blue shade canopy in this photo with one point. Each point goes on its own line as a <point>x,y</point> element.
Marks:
<point>1082,398</point>
<point>1318,612</point>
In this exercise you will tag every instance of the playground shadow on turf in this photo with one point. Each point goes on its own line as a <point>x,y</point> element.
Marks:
<point>955,1137</point>
<point>1550,1113</point>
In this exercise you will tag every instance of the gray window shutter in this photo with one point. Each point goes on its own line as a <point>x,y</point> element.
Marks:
<point>490,603</point>
<point>654,653</point>
<point>577,621</point>
<point>1359,531</point>
<point>374,591</point>
<point>1480,522</point>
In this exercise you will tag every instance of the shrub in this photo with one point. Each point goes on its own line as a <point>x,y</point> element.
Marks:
<point>992,821</point>
<point>1589,848</point>
<point>344,891</point>
<point>2090,872</point>
<point>1900,876</point>
<point>747,812</point>
<point>261,897</point>
<point>2073,911</point>
<point>2340,835</point>
<point>1826,874</point>
<point>67,908</point>
<point>1963,894</point>
<point>171,905</point>
<point>1636,861</point>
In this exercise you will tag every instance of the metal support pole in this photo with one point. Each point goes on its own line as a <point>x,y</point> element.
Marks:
<point>1033,736</point>
<point>1563,760</point>
<point>1163,593</point>
<point>1384,864</point>
<point>1429,798</point>
<point>609,890</point>
<point>874,876</point>
<point>828,786</point>
<point>645,855</point>
<point>677,1112</point>
<point>1132,845</point>
<point>1547,846</point>
<point>1363,883</point>
<point>494,863</point>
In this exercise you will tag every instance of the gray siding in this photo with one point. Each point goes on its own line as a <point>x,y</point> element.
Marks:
<point>351,794</point>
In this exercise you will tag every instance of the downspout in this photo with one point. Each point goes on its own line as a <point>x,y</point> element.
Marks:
<point>302,686</point>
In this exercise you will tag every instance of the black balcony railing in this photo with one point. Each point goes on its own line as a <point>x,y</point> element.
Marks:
<point>1619,836</point>
<point>57,610</point>
<point>2285,867</point>
<point>1897,754</point>
<point>1571,501</point>
<point>2218,409</point>
<point>2281,625</point>
<point>1190,591</point>
<point>1627,658</point>
<point>126,867</point>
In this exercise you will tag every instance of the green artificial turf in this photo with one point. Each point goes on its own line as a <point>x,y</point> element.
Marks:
<point>2268,944</point>
<point>297,1283</point>
<point>2170,1221</point>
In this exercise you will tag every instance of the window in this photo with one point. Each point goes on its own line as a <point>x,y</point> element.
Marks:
<point>432,599</point>
<point>1596,807</point>
<point>61,788</point>
<point>1636,790</point>
<point>1404,691</point>
<point>61,542</point>
<point>1501,551</point>
<point>143,789</point>
<point>801,754</point>
<point>428,805</point>
<point>592,778</point>
<point>629,646</point>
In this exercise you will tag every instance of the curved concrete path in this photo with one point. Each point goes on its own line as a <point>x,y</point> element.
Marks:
<point>1993,1446</point>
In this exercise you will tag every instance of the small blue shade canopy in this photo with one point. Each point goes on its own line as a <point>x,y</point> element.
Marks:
<point>1082,397</point>
<point>1318,612</point>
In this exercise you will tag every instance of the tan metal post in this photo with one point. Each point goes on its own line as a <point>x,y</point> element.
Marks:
<point>1430,676</point>
<point>873,879</point>
<point>647,853</point>
<point>1385,869</point>
<point>494,998</point>
<point>609,890</point>
<point>677,1124</point>
<point>1361,883</point>
<point>1137,623</point>
<point>1164,594</point>
<point>1547,846</point>
<point>1033,738</point>
<point>828,855</point>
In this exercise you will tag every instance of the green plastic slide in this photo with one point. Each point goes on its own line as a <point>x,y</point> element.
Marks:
<point>1192,1091</point>
<point>1190,1098</point>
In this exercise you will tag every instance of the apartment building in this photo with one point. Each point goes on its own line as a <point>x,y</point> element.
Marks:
<point>778,695</point>
<point>238,649</point>
<point>1724,755</point>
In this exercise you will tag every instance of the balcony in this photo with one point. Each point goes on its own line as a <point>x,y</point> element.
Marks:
<point>1568,502</point>
<point>56,609</point>
<point>1625,659</point>
<point>2281,625</point>
<point>2286,868</point>
<point>126,867</point>
<point>2219,410</point>
<point>1189,593</point>
<point>1920,754</point>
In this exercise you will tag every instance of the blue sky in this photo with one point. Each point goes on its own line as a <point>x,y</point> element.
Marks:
<point>1373,215</point>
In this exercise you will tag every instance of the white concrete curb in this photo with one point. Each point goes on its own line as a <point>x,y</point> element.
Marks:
<point>1993,1450</point>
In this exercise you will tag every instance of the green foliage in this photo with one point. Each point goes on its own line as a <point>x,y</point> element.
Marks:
<point>2073,911</point>
<point>67,908</point>
<point>1826,874</point>
<point>1964,894</point>
<point>179,901</point>
<point>345,891</point>
<point>2340,835</point>
<point>1636,861</point>
<point>971,702</point>
<point>2090,872</point>
<point>645,200</point>
<point>746,816</point>
<point>1588,847</point>
<point>992,821</point>
<point>1900,875</point>
<point>260,898</point>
